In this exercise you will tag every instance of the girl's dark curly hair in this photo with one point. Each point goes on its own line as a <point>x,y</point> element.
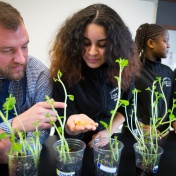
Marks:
<point>68,47</point>
<point>144,33</point>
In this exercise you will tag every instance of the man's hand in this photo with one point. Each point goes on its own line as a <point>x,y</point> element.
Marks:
<point>79,123</point>
<point>36,113</point>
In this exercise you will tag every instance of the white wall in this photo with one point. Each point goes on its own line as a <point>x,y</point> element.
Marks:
<point>171,57</point>
<point>42,18</point>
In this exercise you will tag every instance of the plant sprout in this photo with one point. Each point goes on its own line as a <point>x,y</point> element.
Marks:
<point>151,136</point>
<point>20,145</point>
<point>64,148</point>
<point>122,63</point>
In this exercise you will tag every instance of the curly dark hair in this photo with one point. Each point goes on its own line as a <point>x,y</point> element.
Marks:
<point>10,17</point>
<point>68,46</point>
<point>144,33</point>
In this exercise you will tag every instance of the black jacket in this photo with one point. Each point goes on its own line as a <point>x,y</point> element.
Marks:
<point>150,71</point>
<point>94,96</point>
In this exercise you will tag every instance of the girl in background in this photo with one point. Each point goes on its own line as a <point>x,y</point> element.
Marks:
<point>152,42</point>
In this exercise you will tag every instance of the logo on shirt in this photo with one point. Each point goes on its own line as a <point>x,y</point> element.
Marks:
<point>114,94</point>
<point>167,82</point>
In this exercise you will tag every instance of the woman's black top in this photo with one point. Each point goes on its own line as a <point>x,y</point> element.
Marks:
<point>93,96</point>
<point>150,71</point>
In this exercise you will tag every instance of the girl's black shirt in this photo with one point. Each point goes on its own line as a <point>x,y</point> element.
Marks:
<point>93,96</point>
<point>149,72</point>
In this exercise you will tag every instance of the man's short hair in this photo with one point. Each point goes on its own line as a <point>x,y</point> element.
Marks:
<point>10,18</point>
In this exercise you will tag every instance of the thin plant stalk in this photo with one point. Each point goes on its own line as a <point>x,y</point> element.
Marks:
<point>19,145</point>
<point>155,122</point>
<point>122,63</point>
<point>64,148</point>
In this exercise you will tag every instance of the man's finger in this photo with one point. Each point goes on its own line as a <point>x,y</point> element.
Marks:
<point>55,104</point>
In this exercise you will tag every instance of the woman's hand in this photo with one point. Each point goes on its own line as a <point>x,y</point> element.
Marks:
<point>100,134</point>
<point>79,123</point>
<point>174,126</point>
<point>160,135</point>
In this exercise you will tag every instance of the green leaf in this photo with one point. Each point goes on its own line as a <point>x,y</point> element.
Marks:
<point>112,111</point>
<point>17,147</point>
<point>136,90</point>
<point>104,124</point>
<point>49,101</point>
<point>59,74</point>
<point>3,135</point>
<point>52,122</point>
<point>169,110</point>
<point>158,78</point>
<point>36,123</point>
<point>9,104</point>
<point>124,63</point>
<point>47,97</point>
<point>154,87</point>
<point>124,102</point>
<point>55,80</point>
<point>117,60</point>
<point>71,97</point>
<point>37,133</point>
<point>171,116</point>
<point>59,129</point>
<point>47,115</point>
<point>116,77</point>
<point>148,88</point>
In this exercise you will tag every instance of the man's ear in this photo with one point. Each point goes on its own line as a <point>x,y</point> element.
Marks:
<point>150,43</point>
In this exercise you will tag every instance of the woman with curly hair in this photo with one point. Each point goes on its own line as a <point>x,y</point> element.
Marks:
<point>84,50</point>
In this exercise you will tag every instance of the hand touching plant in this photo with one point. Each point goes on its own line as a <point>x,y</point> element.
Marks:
<point>75,124</point>
<point>64,148</point>
<point>20,145</point>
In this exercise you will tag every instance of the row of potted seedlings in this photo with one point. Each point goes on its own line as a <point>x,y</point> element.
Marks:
<point>23,157</point>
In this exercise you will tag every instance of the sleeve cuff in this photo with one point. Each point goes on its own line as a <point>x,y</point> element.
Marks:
<point>4,127</point>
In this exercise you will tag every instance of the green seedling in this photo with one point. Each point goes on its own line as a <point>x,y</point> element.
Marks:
<point>152,134</point>
<point>122,64</point>
<point>63,149</point>
<point>20,145</point>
